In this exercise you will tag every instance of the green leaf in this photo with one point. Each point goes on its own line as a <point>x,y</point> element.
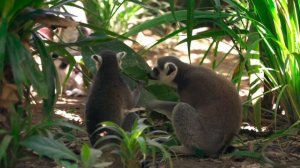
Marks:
<point>109,137</point>
<point>190,25</point>
<point>3,33</point>
<point>133,64</point>
<point>64,123</point>
<point>174,33</point>
<point>143,144</point>
<point>67,164</point>
<point>210,33</point>
<point>4,144</point>
<point>6,7</point>
<point>103,30</point>
<point>85,153</point>
<point>89,156</point>
<point>172,5</point>
<point>115,127</point>
<point>249,154</point>
<point>49,75</point>
<point>169,18</point>
<point>153,143</point>
<point>49,147</point>
<point>16,53</point>
<point>139,130</point>
<point>163,92</point>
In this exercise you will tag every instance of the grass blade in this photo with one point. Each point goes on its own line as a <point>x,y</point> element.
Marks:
<point>190,25</point>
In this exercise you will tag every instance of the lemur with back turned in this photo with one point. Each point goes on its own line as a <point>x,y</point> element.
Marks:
<point>209,112</point>
<point>109,96</point>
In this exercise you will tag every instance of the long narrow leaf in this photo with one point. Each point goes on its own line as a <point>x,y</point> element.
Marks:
<point>50,148</point>
<point>4,144</point>
<point>190,25</point>
<point>3,33</point>
<point>169,18</point>
<point>50,76</point>
<point>25,69</point>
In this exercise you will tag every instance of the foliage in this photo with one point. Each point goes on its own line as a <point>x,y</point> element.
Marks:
<point>15,34</point>
<point>64,156</point>
<point>277,26</point>
<point>113,15</point>
<point>25,63</point>
<point>134,66</point>
<point>274,34</point>
<point>22,131</point>
<point>260,147</point>
<point>19,34</point>
<point>134,146</point>
<point>264,31</point>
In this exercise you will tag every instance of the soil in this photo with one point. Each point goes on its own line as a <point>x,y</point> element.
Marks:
<point>283,152</point>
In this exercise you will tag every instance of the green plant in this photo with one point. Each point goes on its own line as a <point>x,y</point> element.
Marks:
<point>264,31</point>
<point>277,25</point>
<point>15,35</point>
<point>25,63</point>
<point>62,155</point>
<point>113,15</point>
<point>12,148</point>
<point>136,146</point>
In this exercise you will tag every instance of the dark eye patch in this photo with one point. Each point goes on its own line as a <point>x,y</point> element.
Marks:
<point>171,69</point>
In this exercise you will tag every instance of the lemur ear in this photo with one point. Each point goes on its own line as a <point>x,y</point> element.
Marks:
<point>121,55</point>
<point>98,60</point>
<point>170,68</point>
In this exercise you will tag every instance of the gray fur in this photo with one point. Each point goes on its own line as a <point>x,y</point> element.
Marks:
<point>109,96</point>
<point>209,112</point>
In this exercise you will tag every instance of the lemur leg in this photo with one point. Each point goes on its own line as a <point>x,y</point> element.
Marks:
<point>135,94</point>
<point>163,107</point>
<point>129,120</point>
<point>182,150</point>
<point>188,129</point>
<point>226,141</point>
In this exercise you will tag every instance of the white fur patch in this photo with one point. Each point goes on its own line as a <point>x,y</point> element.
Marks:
<point>120,56</point>
<point>98,60</point>
<point>168,79</point>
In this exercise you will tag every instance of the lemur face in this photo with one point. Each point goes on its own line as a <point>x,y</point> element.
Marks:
<point>165,73</point>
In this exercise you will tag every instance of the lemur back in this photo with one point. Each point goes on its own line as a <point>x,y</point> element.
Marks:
<point>109,95</point>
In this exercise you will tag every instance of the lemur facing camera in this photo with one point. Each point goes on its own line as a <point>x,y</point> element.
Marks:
<point>209,113</point>
<point>109,96</point>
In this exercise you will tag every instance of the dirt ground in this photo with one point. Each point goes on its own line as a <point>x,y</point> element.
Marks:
<point>284,152</point>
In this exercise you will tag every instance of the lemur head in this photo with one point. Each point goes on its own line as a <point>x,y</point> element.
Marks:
<point>109,58</point>
<point>166,70</point>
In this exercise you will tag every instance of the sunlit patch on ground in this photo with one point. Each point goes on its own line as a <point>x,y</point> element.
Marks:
<point>69,116</point>
<point>247,126</point>
<point>71,108</point>
<point>69,100</point>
